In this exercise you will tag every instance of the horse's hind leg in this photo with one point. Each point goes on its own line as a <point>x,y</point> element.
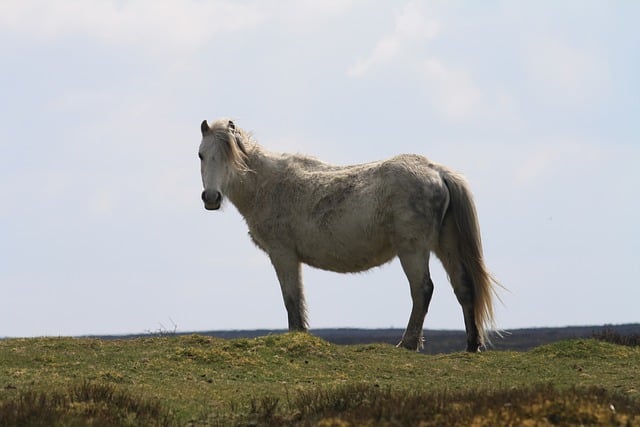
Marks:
<point>290,278</point>
<point>416,267</point>
<point>464,290</point>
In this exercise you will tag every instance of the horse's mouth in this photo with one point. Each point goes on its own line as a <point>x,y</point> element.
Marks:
<point>212,206</point>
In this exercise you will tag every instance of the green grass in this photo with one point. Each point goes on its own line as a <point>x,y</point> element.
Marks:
<point>297,378</point>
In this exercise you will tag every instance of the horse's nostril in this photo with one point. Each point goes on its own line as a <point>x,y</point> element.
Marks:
<point>212,198</point>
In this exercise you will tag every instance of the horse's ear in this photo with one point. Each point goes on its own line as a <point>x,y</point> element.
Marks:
<point>232,126</point>
<point>204,127</point>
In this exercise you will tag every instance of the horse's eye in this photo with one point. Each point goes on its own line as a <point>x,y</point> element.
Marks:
<point>200,156</point>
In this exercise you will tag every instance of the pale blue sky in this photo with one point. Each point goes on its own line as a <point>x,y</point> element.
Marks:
<point>101,225</point>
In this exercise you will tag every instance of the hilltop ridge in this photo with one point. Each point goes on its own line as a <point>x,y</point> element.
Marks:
<point>436,341</point>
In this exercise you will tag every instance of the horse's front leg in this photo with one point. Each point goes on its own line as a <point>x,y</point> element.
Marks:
<point>289,274</point>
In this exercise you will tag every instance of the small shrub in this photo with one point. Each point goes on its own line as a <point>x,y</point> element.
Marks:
<point>370,405</point>
<point>86,404</point>
<point>611,336</point>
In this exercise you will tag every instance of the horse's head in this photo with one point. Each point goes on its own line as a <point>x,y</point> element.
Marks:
<point>222,155</point>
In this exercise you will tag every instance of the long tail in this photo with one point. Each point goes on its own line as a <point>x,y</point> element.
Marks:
<point>469,252</point>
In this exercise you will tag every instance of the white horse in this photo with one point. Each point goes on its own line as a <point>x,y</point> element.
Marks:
<point>353,218</point>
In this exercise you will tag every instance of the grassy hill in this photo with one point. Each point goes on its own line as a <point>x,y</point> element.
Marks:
<point>301,379</point>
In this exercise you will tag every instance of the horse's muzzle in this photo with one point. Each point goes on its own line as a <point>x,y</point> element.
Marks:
<point>212,199</point>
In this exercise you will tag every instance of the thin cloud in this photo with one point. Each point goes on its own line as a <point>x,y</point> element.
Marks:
<point>412,25</point>
<point>303,16</point>
<point>157,26</point>
<point>454,93</point>
<point>567,74</point>
<point>546,160</point>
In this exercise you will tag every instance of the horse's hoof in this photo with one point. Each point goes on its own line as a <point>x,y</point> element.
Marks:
<point>475,348</point>
<point>413,346</point>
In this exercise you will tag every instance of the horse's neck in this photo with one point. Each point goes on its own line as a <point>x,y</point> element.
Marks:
<point>244,186</point>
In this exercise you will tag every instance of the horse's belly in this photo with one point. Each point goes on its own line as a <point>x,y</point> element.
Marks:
<point>346,255</point>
